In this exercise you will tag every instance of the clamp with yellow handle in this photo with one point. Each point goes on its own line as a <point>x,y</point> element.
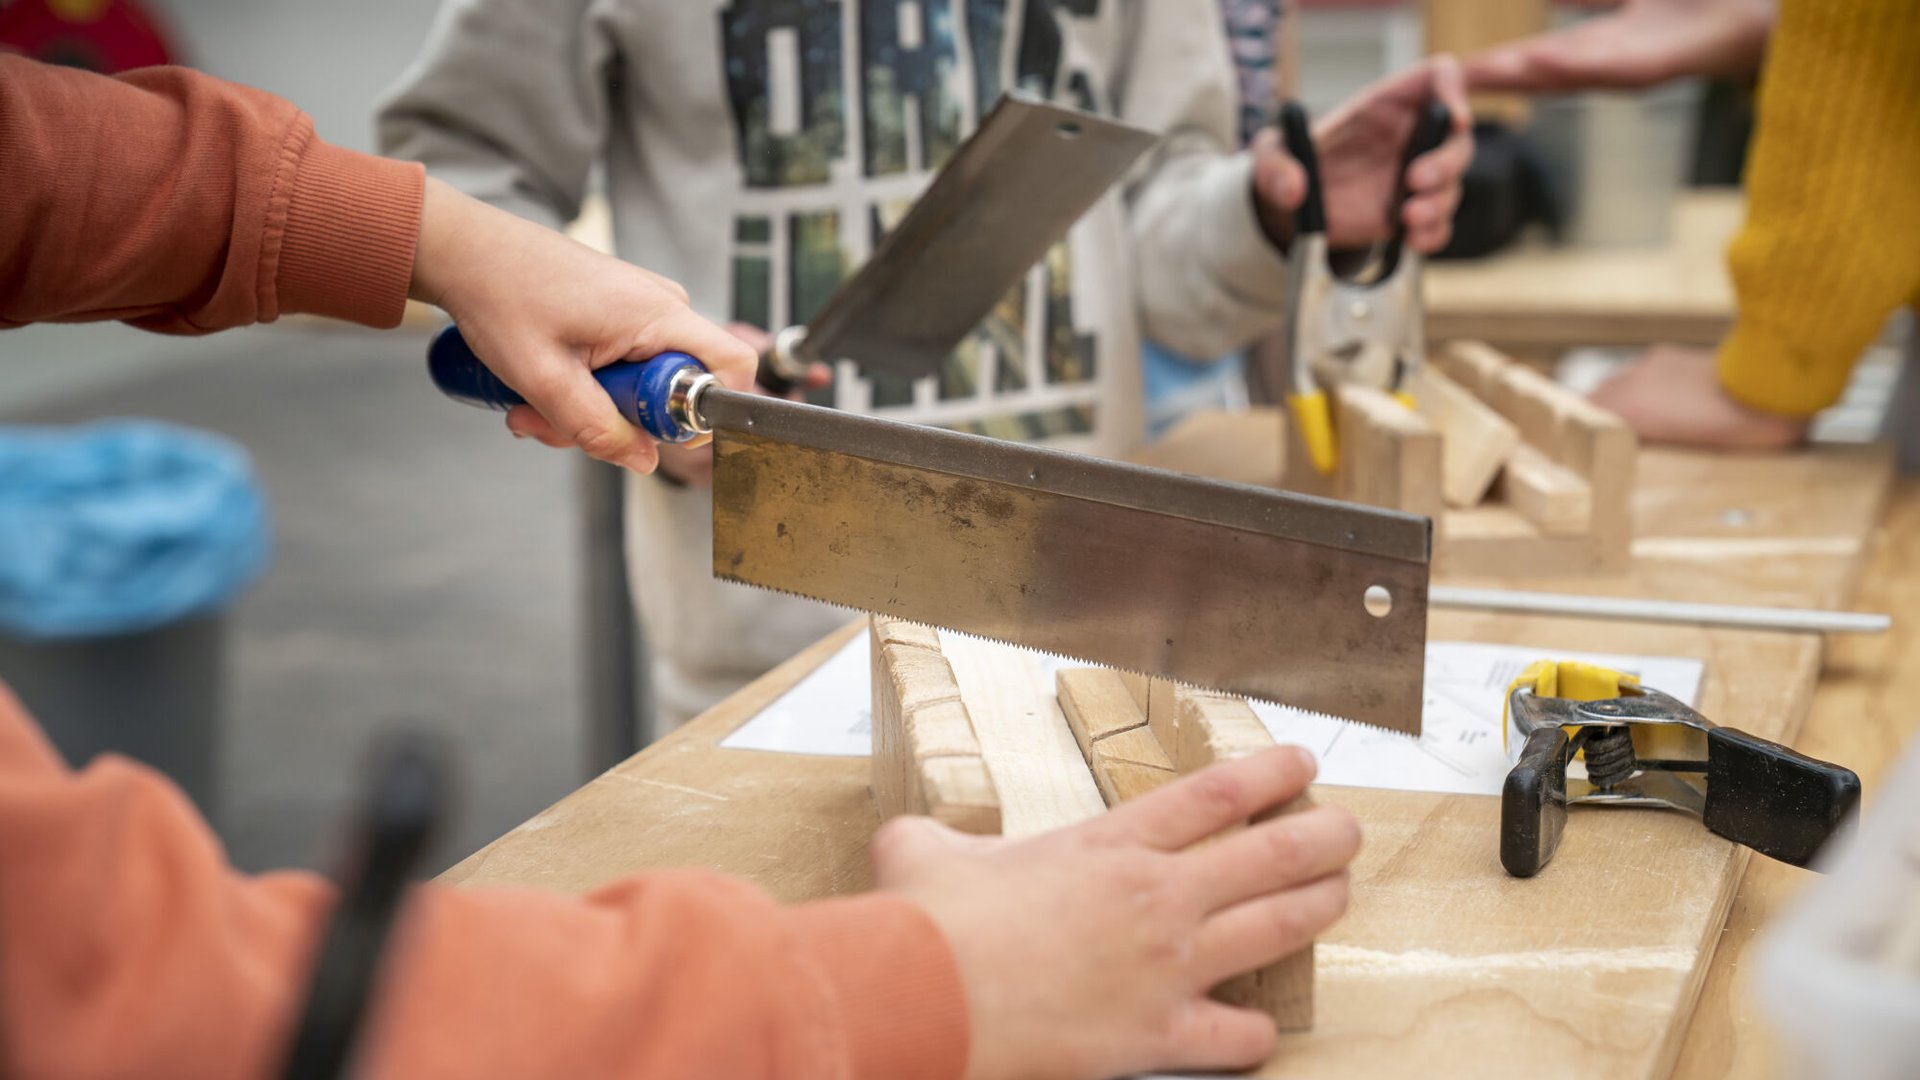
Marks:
<point>1643,748</point>
<point>1363,328</point>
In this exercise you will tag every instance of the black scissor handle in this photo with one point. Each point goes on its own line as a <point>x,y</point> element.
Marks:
<point>1297,134</point>
<point>1430,129</point>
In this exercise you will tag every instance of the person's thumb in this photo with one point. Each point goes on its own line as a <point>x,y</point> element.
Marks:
<point>907,848</point>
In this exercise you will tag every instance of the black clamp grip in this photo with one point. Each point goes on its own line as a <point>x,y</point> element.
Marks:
<point>1780,803</point>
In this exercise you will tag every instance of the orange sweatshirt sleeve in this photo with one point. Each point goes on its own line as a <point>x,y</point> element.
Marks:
<point>129,948</point>
<point>184,204</point>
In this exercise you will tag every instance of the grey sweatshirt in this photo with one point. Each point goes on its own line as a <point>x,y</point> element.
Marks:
<point>754,150</point>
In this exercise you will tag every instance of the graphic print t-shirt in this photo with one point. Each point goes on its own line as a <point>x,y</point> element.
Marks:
<point>843,112</point>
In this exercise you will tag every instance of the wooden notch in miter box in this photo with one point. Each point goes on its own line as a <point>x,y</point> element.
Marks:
<point>976,735</point>
<point>1520,474</point>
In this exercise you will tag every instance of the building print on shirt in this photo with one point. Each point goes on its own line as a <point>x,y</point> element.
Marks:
<point>844,109</point>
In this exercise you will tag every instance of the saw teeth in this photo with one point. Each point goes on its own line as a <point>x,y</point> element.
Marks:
<point>1037,652</point>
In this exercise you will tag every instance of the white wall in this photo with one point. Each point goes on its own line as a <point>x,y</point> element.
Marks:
<point>333,58</point>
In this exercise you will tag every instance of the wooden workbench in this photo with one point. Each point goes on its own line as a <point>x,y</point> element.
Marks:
<point>1539,300</point>
<point>1444,966</point>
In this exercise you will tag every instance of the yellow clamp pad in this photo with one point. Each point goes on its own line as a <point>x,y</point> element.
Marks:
<point>1406,398</point>
<point>1313,418</point>
<point>1571,679</point>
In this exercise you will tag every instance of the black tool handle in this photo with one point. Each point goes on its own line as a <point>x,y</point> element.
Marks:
<point>1297,134</point>
<point>771,380</point>
<point>1430,129</point>
<point>404,803</point>
<point>1776,801</point>
<point>1533,804</point>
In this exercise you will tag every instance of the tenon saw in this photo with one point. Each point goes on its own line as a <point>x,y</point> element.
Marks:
<point>1288,598</point>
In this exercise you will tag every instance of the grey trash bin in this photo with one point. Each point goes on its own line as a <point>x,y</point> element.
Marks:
<point>122,544</point>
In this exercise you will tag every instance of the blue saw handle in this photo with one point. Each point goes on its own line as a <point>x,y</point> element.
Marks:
<point>639,389</point>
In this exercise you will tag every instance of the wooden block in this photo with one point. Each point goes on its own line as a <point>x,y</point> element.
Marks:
<point>942,729</point>
<point>1137,685</point>
<point>1557,500</point>
<point>926,758</point>
<point>1135,747</point>
<point>960,793</point>
<point>1163,711</point>
<point>1245,446</point>
<point>1215,728</point>
<point>1037,769</point>
<point>1120,781</point>
<point>1475,441</point>
<point>1097,704</point>
<point>1389,455</point>
<point>1475,365</point>
<point>900,632</point>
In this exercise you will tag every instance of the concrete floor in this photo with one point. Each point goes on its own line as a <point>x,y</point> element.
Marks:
<point>423,569</point>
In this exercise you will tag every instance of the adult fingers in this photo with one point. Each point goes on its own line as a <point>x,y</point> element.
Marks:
<point>1282,181</point>
<point>1429,219</point>
<point>1274,855</point>
<point>1597,54</point>
<point>1211,1036</point>
<point>1257,933</point>
<point>907,847</point>
<point>1192,809</point>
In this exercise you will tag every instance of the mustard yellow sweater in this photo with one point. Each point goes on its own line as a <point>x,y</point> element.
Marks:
<point>1831,245</point>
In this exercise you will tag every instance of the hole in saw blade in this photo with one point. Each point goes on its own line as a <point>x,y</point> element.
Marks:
<point>1067,129</point>
<point>1379,601</point>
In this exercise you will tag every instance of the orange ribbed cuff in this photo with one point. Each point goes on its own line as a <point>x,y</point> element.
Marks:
<point>353,221</point>
<point>898,993</point>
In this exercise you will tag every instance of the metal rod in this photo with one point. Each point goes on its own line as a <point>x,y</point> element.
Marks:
<point>1797,620</point>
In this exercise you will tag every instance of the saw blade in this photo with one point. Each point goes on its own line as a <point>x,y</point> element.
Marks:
<point>1010,192</point>
<point>1229,587</point>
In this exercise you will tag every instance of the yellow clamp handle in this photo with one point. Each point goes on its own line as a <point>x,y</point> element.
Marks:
<point>1313,418</point>
<point>1572,679</point>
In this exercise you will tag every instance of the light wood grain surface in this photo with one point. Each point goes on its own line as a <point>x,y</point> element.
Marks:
<point>1540,299</point>
<point>1864,715</point>
<point>1444,965</point>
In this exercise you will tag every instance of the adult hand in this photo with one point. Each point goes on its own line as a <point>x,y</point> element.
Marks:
<point>1360,146</point>
<point>1088,952</point>
<point>1673,395</point>
<point>693,465</point>
<point>544,312</point>
<point>1644,43</point>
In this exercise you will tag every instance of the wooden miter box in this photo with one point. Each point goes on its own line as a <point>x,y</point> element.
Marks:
<point>1520,474</point>
<point>975,735</point>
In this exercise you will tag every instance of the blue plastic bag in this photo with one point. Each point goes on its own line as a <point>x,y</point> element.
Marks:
<point>123,526</point>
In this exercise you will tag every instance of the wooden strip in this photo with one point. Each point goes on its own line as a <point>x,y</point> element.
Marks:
<point>1097,703</point>
<point>1138,686</point>
<point>1557,500</point>
<point>1120,781</point>
<point>1135,747</point>
<point>1475,365</point>
<point>1030,752</point>
<point>1213,729</point>
<point>1389,455</point>
<point>1475,441</point>
<point>926,758</point>
<point>1163,711</point>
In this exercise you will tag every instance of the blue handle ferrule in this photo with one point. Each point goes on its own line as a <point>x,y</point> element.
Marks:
<point>641,390</point>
